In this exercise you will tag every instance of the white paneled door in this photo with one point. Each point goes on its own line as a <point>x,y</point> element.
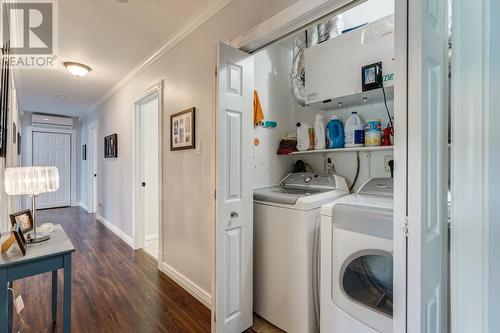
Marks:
<point>54,149</point>
<point>428,166</point>
<point>234,232</point>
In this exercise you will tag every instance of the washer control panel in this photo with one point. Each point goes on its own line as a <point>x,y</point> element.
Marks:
<point>309,179</point>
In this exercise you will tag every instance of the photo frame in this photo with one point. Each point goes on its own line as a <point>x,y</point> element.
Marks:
<point>24,219</point>
<point>18,143</point>
<point>4,98</point>
<point>84,152</point>
<point>19,235</point>
<point>183,130</point>
<point>111,146</point>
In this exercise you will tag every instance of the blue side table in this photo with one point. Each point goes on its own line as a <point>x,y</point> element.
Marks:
<point>40,258</point>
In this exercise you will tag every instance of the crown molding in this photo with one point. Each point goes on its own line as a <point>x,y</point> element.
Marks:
<point>200,18</point>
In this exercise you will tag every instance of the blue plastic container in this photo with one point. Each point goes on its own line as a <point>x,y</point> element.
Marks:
<point>335,133</point>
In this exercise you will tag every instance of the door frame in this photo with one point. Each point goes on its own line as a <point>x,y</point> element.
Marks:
<point>73,154</point>
<point>91,167</point>
<point>138,230</point>
<point>475,293</point>
<point>305,12</point>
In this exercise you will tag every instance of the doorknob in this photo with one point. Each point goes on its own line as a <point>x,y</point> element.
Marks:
<point>95,174</point>
<point>234,214</point>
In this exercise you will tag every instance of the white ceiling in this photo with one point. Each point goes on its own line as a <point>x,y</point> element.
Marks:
<point>111,37</point>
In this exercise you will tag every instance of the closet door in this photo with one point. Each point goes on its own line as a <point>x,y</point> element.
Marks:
<point>234,214</point>
<point>427,166</point>
<point>54,149</point>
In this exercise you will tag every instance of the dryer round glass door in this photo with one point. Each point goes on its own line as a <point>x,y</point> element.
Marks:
<point>366,278</point>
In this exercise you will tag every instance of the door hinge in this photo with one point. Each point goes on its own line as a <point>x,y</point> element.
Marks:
<point>405,226</point>
<point>216,71</point>
<point>215,194</point>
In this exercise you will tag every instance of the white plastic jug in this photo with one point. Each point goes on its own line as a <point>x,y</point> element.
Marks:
<point>304,136</point>
<point>352,137</point>
<point>319,132</point>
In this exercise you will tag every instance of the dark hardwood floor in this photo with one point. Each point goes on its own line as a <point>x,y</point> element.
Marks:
<point>115,289</point>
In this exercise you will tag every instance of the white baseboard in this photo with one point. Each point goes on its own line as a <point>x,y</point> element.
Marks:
<point>84,207</point>
<point>123,236</point>
<point>151,236</point>
<point>201,295</point>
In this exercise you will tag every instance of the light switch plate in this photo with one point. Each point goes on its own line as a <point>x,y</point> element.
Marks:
<point>198,147</point>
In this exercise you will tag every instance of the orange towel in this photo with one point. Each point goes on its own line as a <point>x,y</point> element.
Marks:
<point>258,115</point>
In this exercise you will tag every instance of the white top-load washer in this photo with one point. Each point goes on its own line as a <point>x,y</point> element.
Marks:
<point>286,237</point>
<point>356,260</point>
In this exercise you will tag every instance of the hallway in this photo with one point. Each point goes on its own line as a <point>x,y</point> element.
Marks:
<point>115,289</point>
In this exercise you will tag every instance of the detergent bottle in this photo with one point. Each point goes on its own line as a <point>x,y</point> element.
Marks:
<point>335,133</point>
<point>354,131</point>
<point>305,136</point>
<point>319,132</point>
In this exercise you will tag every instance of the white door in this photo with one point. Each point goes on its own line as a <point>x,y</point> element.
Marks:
<point>92,169</point>
<point>54,149</point>
<point>234,231</point>
<point>427,166</point>
<point>148,115</point>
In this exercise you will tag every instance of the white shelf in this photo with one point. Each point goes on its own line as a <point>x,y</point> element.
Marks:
<point>342,150</point>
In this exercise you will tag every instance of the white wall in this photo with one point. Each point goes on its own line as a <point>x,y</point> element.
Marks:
<point>272,81</point>
<point>188,178</point>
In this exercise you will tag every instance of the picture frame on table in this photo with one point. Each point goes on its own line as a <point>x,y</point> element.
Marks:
<point>24,219</point>
<point>183,130</point>
<point>19,235</point>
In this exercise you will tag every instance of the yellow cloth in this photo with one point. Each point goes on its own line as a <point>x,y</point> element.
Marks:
<point>258,115</point>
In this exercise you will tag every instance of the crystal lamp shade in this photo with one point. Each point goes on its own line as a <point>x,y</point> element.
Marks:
<point>31,180</point>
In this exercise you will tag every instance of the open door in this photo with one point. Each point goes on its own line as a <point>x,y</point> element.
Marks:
<point>427,166</point>
<point>234,199</point>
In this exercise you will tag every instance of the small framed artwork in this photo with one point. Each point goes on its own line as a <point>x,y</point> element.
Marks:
<point>84,152</point>
<point>182,130</point>
<point>111,146</point>
<point>18,143</point>
<point>19,235</point>
<point>24,219</point>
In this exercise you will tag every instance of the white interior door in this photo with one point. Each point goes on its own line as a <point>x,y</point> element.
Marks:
<point>427,166</point>
<point>54,149</point>
<point>148,109</point>
<point>234,220</point>
<point>92,169</point>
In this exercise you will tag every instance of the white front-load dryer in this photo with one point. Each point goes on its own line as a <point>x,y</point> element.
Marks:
<point>356,261</point>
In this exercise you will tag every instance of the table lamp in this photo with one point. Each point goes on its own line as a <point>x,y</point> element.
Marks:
<point>32,181</point>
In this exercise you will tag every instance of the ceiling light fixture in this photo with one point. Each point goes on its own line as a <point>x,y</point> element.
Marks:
<point>77,69</point>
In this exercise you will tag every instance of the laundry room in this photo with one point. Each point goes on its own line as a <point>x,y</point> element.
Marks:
<point>323,146</point>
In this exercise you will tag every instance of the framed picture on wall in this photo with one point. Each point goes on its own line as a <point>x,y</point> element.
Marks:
<point>182,130</point>
<point>111,146</point>
<point>18,143</point>
<point>4,97</point>
<point>84,152</point>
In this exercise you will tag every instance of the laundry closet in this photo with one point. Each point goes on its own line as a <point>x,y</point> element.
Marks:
<point>315,76</point>
<point>323,163</point>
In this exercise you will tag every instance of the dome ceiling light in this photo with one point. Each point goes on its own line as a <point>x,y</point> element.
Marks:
<point>77,69</point>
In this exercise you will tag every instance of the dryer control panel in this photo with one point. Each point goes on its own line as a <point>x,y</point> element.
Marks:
<point>310,180</point>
